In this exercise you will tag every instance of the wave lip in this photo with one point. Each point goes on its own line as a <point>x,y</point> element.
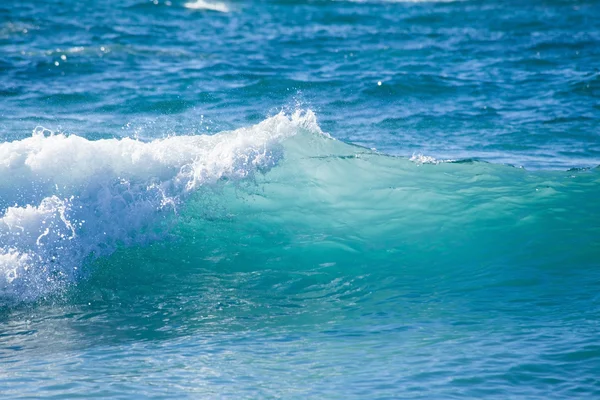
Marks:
<point>67,199</point>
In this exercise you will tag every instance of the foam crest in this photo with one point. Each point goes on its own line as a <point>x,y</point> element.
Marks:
<point>67,199</point>
<point>421,159</point>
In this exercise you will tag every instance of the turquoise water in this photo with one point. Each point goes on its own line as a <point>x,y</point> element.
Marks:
<point>299,199</point>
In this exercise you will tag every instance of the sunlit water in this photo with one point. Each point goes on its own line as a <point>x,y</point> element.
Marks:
<point>299,199</point>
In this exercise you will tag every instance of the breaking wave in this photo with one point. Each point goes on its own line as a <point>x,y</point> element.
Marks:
<point>67,201</point>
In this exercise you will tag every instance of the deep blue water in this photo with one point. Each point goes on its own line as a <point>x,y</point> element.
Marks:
<point>299,199</point>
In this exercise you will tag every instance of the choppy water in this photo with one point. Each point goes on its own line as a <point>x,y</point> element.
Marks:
<point>300,199</point>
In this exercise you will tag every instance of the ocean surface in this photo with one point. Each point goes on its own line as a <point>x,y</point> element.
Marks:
<point>300,199</point>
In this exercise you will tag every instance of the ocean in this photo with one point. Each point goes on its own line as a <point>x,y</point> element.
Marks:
<point>300,199</point>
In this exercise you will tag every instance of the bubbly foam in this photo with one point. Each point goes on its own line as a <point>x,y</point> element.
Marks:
<point>67,199</point>
<point>421,159</point>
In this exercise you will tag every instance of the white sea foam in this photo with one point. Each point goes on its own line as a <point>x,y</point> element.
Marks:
<point>66,199</point>
<point>420,159</point>
<point>207,5</point>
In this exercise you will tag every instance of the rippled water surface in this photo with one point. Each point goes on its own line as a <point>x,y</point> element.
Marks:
<point>299,199</point>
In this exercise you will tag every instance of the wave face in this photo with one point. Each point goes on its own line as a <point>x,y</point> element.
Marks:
<point>68,201</point>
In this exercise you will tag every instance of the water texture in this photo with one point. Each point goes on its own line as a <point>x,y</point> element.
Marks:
<point>299,199</point>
